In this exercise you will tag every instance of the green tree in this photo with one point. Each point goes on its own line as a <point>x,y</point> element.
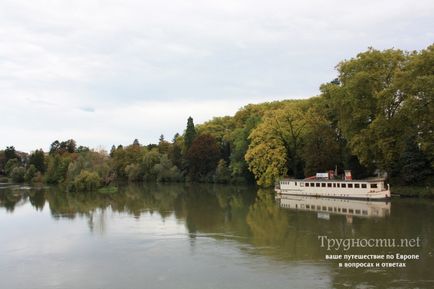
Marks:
<point>417,82</point>
<point>371,106</point>
<point>222,173</point>
<point>10,165</point>
<point>17,174</point>
<point>57,169</point>
<point>11,153</point>
<point>86,181</point>
<point>321,151</point>
<point>30,173</point>
<point>163,145</point>
<point>37,158</point>
<point>190,134</point>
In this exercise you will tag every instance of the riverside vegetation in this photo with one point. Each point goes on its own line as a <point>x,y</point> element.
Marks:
<point>376,116</point>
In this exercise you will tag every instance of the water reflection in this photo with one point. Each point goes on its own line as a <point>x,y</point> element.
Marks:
<point>284,233</point>
<point>324,207</point>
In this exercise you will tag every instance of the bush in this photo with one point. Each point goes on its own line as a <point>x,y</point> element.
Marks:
<point>86,181</point>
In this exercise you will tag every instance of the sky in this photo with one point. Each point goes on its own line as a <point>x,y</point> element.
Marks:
<point>107,72</point>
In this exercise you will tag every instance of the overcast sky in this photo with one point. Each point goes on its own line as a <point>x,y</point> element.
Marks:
<point>107,72</point>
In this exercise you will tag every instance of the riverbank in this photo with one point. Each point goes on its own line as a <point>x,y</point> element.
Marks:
<point>413,191</point>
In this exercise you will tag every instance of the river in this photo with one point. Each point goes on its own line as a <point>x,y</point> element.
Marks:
<point>205,236</point>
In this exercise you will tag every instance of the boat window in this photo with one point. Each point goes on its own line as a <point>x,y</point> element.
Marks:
<point>295,183</point>
<point>351,211</point>
<point>357,186</point>
<point>329,185</point>
<point>312,184</point>
<point>374,186</point>
<point>301,184</point>
<point>307,207</point>
<point>330,209</point>
<point>323,184</point>
<point>364,212</point>
<point>358,212</point>
<point>338,185</point>
<point>350,185</point>
<point>363,186</point>
<point>344,210</point>
<point>334,185</point>
<point>324,208</point>
<point>343,185</point>
<point>307,184</point>
<point>318,184</point>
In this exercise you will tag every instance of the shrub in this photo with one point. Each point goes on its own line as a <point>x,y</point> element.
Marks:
<point>86,181</point>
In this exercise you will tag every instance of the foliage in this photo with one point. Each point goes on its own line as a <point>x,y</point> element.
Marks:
<point>30,173</point>
<point>37,159</point>
<point>190,134</point>
<point>10,153</point>
<point>10,165</point>
<point>56,169</point>
<point>377,115</point>
<point>68,146</point>
<point>165,171</point>
<point>222,173</point>
<point>17,174</point>
<point>86,181</point>
<point>202,157</point>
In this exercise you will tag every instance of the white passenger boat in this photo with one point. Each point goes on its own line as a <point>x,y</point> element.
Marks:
<point>325,185</point>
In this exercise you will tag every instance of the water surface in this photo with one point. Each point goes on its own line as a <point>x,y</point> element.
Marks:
<point>200,236</point>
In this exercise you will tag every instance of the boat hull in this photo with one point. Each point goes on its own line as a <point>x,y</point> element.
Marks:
<point>378,195</point>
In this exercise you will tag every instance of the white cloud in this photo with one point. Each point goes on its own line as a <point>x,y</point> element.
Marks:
<point>59,60</point>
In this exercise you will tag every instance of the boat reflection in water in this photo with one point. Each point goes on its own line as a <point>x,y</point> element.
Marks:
<point>332,206</point>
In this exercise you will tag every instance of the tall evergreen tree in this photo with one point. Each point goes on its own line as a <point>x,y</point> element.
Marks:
<point>190,134</point>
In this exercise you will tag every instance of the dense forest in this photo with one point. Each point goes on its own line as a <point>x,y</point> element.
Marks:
<point>376,117</point>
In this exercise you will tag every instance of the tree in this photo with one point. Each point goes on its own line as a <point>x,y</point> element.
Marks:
<point>163,145</point>
<point>54,147</point>
<point>17,174</point>
<point>203,156</point>
<point>222,172</point>
<point>37,159</point>
<point>175,151</point>
<point>368,101</point>
<point>30,173</point>
<point>112,150</point>
<point>190,134</point>
<point>417,82</point>
<point>275,147</point>
<point>68,146</point>
<point>320,150</point>
<point>86,181</point>
<point>11,153</point>
<point>11,165</point>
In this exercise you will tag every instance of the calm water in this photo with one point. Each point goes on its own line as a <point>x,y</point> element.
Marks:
<point>176,236</point>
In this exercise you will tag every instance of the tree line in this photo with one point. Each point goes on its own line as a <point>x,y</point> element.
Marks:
<point>377,116</point>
